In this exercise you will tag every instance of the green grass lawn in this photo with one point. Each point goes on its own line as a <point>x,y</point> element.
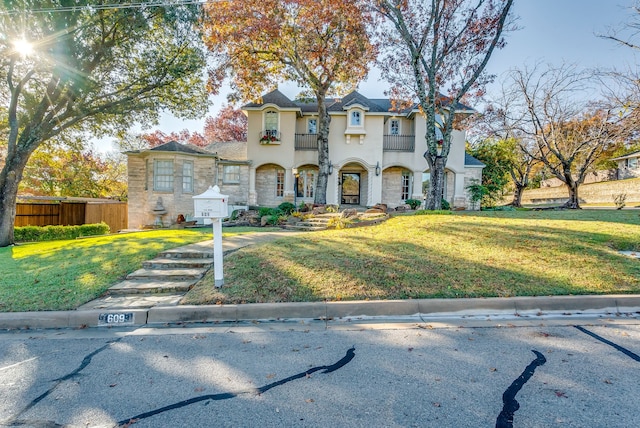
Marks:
<point>60,275</point>
<point>520,253</point>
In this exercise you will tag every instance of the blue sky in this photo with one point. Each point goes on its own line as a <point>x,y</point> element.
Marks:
<point>551,31</point>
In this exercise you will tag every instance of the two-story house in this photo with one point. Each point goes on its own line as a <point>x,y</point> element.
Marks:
<point>376,153</point>
<point>376,156</point>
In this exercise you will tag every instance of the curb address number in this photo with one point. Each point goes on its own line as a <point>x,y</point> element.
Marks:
<point>116,318</point>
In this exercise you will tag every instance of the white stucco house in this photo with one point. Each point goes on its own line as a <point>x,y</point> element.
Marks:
<point>376,156</point>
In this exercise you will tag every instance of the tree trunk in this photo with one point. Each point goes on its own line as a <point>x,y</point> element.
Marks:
<point>517,196</point>
<point>324,120</point>
<point>9,180</point>
<point>574,202</point>
<point>436,183</point>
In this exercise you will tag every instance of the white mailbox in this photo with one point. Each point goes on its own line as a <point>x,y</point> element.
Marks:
<point>211,204</point>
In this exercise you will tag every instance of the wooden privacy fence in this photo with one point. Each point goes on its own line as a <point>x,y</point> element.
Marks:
<point>72,213</point>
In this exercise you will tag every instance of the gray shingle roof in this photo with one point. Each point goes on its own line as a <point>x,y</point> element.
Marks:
<point>471,161</point>
<point>274,97</point>
<point>174,146</point>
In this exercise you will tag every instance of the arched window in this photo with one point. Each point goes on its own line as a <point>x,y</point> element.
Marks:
<point>271,123</point>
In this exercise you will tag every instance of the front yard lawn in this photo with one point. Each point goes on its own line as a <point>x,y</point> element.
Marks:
<point>61,275</point>
<point>482,254</point>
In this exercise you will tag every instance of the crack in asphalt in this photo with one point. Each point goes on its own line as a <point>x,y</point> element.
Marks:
<point>227,395</point>
<point>14,421</point>
<point>510,404</point>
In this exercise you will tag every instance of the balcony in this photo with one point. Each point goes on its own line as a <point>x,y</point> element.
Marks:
<point>399,143</point>
<point>306,142</point>
<point>269,136</point>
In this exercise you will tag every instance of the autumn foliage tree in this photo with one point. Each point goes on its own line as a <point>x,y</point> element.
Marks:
<point>78,66</point>
<point>230,124</point>
<point>322,45</point>
<point>436,47</point>
<point>569,126</point>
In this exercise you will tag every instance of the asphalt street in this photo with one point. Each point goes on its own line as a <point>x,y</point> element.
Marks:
<point>348,373</point>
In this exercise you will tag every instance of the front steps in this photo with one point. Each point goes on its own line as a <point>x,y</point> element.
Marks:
<point>160,282</point>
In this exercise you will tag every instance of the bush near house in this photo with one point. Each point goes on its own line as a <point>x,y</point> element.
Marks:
<point>53,233</point>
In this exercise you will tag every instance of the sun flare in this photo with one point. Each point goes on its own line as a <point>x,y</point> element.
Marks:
<point>23,47</point>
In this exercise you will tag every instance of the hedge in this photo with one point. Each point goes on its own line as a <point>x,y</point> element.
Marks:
<point>52,233</point>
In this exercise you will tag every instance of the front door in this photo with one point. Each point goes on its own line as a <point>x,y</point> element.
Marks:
<point>351,188</point>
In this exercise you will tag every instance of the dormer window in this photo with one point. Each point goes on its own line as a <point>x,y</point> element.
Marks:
<point>356,118</point>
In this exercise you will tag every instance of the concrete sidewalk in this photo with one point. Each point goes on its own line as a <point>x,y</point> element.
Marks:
<point>417,310</point>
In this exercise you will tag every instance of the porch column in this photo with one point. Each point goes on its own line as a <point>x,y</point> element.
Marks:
<point>253,195</point>
<point>289,181</point>
<point>459,196</point>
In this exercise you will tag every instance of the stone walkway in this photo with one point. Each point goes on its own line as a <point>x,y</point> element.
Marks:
<point>164,280</point>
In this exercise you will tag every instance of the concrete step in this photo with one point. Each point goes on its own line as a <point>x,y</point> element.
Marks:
<point>178,263</point>
<point>142,286</point>
<point>181,274</point>
<point>133,301</point>
<point>186,254</point>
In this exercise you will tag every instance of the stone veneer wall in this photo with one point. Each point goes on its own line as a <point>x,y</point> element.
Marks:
<point>176,202</point>
<point>266,186</point>
<point>471,176</point>
<point>238,192</point>
<point>392,186</point>
<point>595,193</point>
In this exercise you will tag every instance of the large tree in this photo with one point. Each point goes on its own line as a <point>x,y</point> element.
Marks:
<point>90,66</point>
<point>322,45</point>
<point>436,52</point>
<point>569,125</point>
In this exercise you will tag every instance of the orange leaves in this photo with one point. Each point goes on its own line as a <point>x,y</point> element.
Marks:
<point>317,43</point>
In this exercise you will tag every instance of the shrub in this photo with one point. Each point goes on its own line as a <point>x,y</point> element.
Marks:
<point>413,203</point>
<point>445,205</point>
<point>339,222</point>
<point>287,207</point>
<point>52,233</point>
<point>620,200</point>
<point>263,211</point>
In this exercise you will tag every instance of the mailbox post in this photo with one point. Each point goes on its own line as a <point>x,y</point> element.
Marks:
<point>212,204</point>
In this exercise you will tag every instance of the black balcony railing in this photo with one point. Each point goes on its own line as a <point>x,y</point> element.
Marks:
<point>306,142</point>
<point>399,143</point>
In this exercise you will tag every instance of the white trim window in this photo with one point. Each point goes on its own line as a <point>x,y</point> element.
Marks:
<point>632,163</point>
<point>163,175</point>
<point>231,174</point>
<point>394,127</point>
<point>406,185</point>
<point>356,118</point>
<point>187,177</point>
<point>306,183</point>
<point>279,183</point>
<point>312,126</point>
<point>271,122</point>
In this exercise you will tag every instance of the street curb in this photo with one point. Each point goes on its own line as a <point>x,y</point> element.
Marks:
<point>426,308</point>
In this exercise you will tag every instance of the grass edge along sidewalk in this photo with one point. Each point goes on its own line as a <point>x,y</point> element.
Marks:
<point>408,257</point>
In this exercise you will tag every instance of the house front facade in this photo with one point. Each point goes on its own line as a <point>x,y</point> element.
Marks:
<point>628,165</point>
<point>376,156</point>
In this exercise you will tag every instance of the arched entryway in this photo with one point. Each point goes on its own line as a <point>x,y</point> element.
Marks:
<point>353,185</point>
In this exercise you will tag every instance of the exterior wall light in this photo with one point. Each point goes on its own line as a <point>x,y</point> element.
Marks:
<point>377,168</point>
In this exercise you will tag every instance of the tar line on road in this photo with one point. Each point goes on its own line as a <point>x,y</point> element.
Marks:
<point>227,395</point>
<point>510,404</point>
<point>14,421</point>
<point>608,342</point>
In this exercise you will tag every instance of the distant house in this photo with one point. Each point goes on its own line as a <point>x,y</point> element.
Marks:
<point>375,153</point>
<point>628,165</point>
